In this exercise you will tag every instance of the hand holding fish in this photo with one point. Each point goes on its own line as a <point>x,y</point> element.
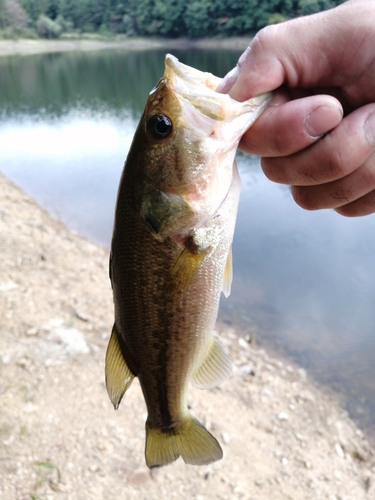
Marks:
<point>323,66</point>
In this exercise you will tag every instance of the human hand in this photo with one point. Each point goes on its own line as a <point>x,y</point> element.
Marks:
<point>321,65</point>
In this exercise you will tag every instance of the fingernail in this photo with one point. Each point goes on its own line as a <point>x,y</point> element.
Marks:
<point>322,119</point>
<point>370,129</point>
<point>228,81</point>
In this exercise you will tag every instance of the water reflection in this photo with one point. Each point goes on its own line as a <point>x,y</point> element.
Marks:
<point>303,281</point>
<point>53,84</point>
<point>68,164</point>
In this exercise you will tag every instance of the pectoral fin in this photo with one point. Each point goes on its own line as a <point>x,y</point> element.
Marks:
<point>215,367</point>
<point>228,274</point>
<point>186,268</point>
<point>118,377</point>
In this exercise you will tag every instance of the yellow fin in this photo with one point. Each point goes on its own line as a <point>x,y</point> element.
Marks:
<point>215,367</point>
<point>186,267</point>
<point>228,274</point>
<point>118,376</point>
<point>190,440</point>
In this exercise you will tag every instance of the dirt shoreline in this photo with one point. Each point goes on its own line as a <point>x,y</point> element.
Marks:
<point>283,439</point>
<point>25,47</point>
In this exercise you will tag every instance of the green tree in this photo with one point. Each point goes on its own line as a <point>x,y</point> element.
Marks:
<point>15,16</point>
<point>52,9</point>
<point>169,16</point>
<point>3,17</point>
<point>47,28</point>
<point>311,6</point>
<point>198,19</point>
<point>34,8</point>
<point>195,18</point>
<point>236,18</point>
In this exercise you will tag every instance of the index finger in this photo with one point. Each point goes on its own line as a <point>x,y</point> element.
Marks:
<point>288,126</point>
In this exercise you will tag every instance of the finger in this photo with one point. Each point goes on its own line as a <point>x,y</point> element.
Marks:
<point>286,127</point>
<point>258,69</point>
<point>273,58</point>
<point>303,53</point>
<point>228,81</point>
<point>358,208</point>
<point>339,193</point>
<point>336,155</point>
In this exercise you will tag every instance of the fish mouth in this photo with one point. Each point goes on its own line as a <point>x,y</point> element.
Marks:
<point>191,75</point>
<point>199,89</point>
<point>189,172</point>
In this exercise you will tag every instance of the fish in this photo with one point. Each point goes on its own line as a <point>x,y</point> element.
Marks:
<point>171,256</point>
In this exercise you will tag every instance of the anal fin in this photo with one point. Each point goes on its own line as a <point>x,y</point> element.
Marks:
<point>118,377</point>
<point>215,367</point>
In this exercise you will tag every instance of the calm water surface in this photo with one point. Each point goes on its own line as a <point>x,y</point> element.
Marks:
<point>304,282</point>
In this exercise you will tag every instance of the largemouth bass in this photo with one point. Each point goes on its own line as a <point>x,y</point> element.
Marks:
<point>171,256</point>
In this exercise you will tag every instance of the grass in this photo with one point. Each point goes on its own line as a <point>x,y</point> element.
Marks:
<point>5,430</point>
<point>47,473</point>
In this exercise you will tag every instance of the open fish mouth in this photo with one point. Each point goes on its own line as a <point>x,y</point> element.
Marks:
<point>199,89</point>
<point>203,128</point>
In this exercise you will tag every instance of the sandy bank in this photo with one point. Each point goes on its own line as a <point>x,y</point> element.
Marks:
<point>59,436</point>
<point>28,47</point>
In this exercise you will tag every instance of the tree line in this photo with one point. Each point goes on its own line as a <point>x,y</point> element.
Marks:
<point>167,18</point>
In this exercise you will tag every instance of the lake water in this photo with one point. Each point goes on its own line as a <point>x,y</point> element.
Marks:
<point>303,282</point>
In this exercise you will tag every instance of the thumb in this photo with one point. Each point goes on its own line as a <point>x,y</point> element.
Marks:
<point>300,53</point>
<point>258,70</point>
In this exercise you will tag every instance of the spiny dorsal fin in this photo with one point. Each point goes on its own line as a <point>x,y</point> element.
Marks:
<point>190,440</point>
<point>118,376</point>
<point>215,367</point>
<point>228,274</point>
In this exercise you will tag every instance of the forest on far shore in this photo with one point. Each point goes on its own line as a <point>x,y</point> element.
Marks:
<point>166,18</point>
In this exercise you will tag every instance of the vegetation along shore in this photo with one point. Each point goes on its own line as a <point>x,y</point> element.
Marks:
<point>170,18</point>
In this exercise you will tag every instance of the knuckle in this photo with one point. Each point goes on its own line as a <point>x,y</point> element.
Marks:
<point>273,172</point>
<point>264,38</point>
<point>278,145</point>
<point>305,197</point>
<point>360,207</point>
<point>336,166</point>
<point>367,175</point>
<point>350,210</point>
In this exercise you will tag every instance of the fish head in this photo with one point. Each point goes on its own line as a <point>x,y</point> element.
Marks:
<point>185,147</point>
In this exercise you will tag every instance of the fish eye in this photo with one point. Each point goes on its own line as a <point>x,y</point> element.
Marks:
<point>160,126</point>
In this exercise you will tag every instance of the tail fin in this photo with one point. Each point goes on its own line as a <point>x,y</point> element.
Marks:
<point>190,440</point>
